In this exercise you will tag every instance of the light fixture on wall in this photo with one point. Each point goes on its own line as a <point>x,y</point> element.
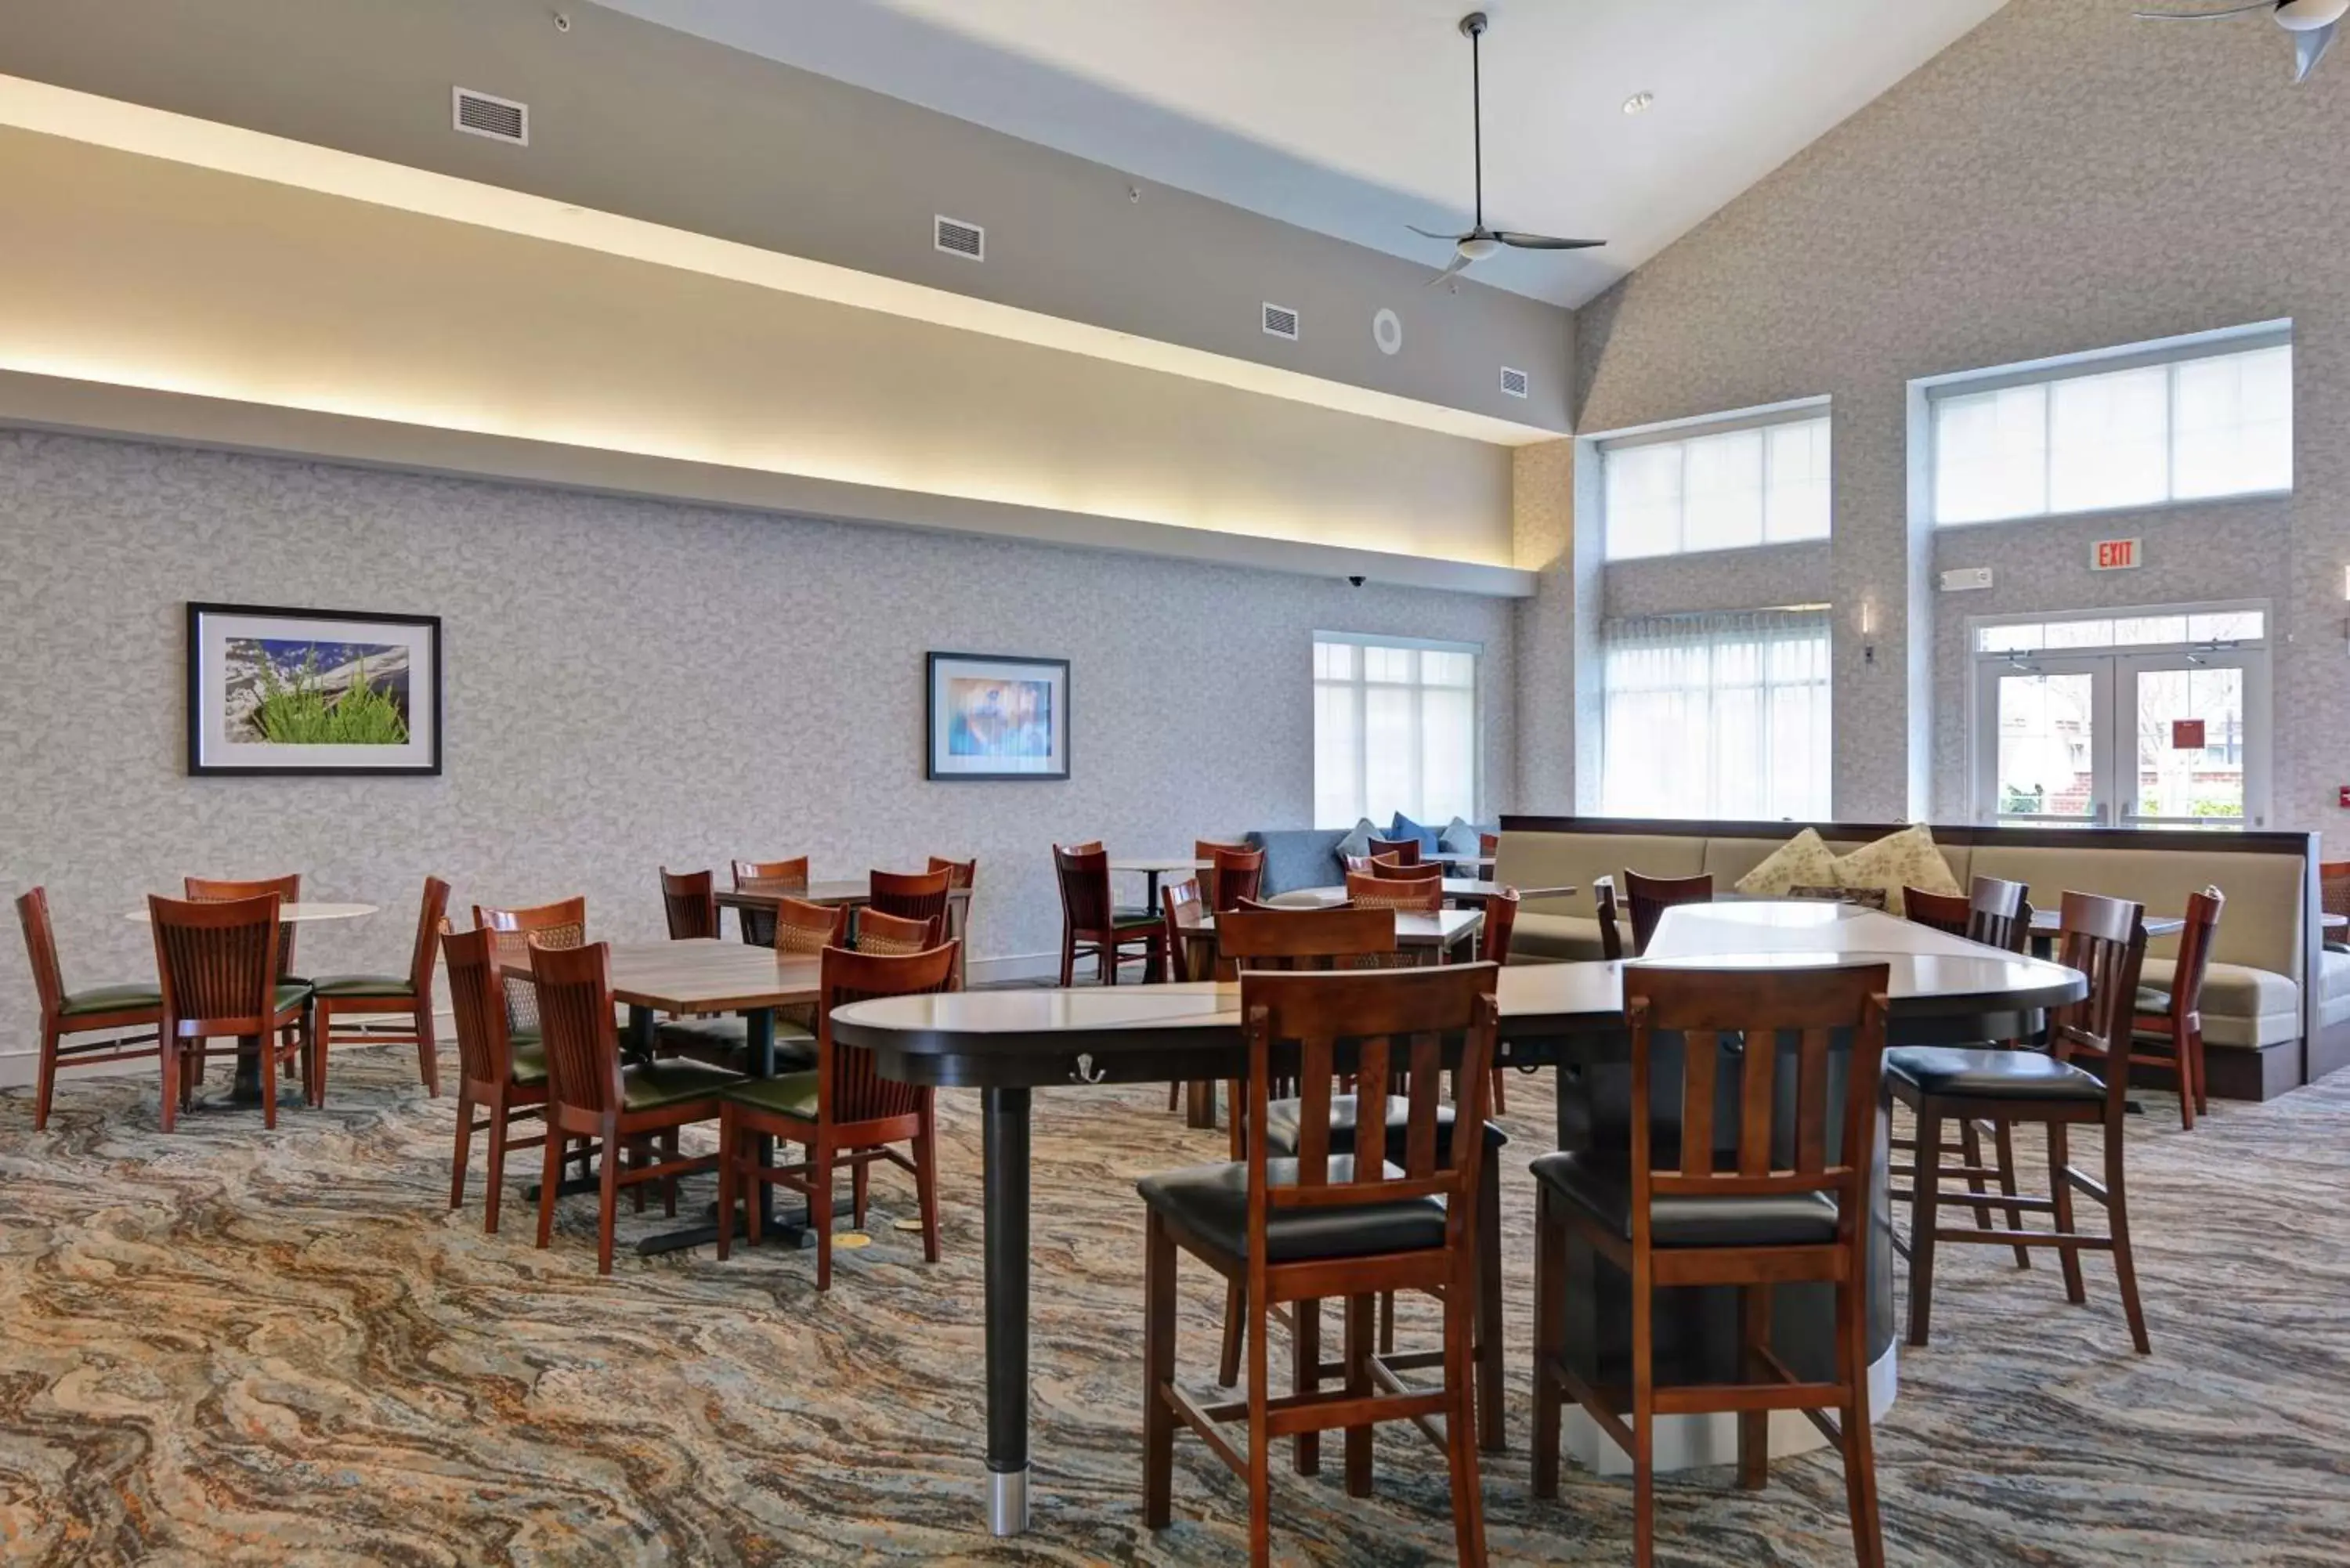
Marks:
<point>1869,631</point>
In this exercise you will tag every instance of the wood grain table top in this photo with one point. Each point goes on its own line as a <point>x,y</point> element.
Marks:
<point>1454,887</point>
<point>831,891</point>
<point>702,975</point>
<point>294,913</point>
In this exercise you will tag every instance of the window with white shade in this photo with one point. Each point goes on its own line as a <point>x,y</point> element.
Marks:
<point>1719,716</point>
<point>1752,481</point>
<point>1395,730</point>
<point>2199,419</point>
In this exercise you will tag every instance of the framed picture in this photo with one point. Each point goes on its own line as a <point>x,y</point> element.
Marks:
<point>998,718</point>
<point>274,691</point>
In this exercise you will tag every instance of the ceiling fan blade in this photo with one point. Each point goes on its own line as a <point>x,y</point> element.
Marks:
<point>1430,234</point>
<point>1458,261</point>
<point>2310,47</point>
<point>2203,16</point>
<point>1545,242</point>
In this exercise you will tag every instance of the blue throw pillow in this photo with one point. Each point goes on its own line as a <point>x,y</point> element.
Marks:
<point>1405,827</point>
<point>1459,838</point>
<point>1358,843</point>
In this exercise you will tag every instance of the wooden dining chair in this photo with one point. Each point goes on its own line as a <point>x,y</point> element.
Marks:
<point>1489,845</point>
<point>218,962</point>
<point>1191,952</point>
<point>690,900</point>
<point>2166,1023</point>
<point>1949,913</point>
<point>590,1094</point>
<point>1611,916</point>
<point>107,1009</point>
<point>1648,898</point>
<point>1319,1223</point>
<point>1415,895</point>
<point>2104,938</point>
<point>1236,876</point>
<point>963,876</point>
<point>1402,851</point>
<point>223,889</point>
<point>843,1113</point>
<point>757,926</point>
<point>778,872</point>
<point>1791,1211</point>
<point>562,924</point>
<point>912,895</point>
<point>1493,946</point>
<point>1394,871</point>
<point>894,936</point>
<point>336,997</point>
<point>499,1083</point>
<point>1092,926</point>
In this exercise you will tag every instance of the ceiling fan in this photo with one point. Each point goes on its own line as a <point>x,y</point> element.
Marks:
<point>1481,241</point>
<point>2312,23</point>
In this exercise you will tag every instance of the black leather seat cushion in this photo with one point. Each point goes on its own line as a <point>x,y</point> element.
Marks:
<point>1991,1074</point>
<point>1601,1188</point>
<point>1283,1116</point>
<point>1211,1203</point>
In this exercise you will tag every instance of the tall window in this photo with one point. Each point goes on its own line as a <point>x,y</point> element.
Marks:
<point>1721,716</point>
<point>1758,481</point>
<point>1395,730</point>
<point>2188,422</point>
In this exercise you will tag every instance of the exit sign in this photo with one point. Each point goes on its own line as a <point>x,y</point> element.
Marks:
<point>2115,555</point>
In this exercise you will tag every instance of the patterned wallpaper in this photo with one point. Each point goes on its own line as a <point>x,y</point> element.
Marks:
<point>2064,178</point>
<point>631,684</point>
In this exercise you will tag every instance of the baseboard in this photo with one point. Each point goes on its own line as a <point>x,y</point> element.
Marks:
<point>1008,967</point>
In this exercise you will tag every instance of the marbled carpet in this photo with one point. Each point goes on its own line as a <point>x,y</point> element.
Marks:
<point>227,1346</point>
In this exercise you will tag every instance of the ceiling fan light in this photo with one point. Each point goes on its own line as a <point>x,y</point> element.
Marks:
<point>2307,15</point>
<point>1476,248</point>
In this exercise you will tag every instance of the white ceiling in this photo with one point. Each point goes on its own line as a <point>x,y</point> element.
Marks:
<point>1351,117</point>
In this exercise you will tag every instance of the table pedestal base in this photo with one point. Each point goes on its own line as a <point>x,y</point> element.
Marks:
<point>1007,1501</point>
<point>1698,1442</point>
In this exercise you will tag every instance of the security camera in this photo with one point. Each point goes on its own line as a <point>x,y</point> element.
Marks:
<point>1355,580</point>
<point>562,23</point>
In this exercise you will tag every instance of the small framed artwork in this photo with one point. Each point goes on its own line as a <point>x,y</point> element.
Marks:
<point>998,718</point>
<point>274,691</point>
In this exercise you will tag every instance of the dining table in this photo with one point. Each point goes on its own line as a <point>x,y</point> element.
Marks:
<point>1566,1017</point>
<point>1150,869</point>
<point>2047,925</point>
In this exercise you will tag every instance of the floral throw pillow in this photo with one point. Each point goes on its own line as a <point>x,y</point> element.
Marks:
<point>1905,859</point>
<point>1804,860</point>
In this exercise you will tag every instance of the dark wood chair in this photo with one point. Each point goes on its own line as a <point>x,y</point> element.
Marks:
<point>1611,916</point>
<point>1416,894</point>
<point>963,876</point>
<point>757,927</point>
<point>219,965</point>
<point>1493,946</point>
<point>690,900</point>
<point>1092,926</point>
<point>2166,1024</point>
<point>65,1014</point>
<point>912,895</point>
<point>1394,871</point>
<point>562,924</point>
<point>1789,1212</point>
<point>224,889</point>
<point>1237,876</point>
<point>1648,898</point>
<point>1489,845</point>
<point>334,997</point>
<point>843,1113</point>
<point>590,1094</point>
<point>778,872</point>
<point>1319,1223</point>
<point>895,935</point>
<point>2104,938</point>
<point>1402,851</point>
<point>499,1083</point>
<point>1190,955</point>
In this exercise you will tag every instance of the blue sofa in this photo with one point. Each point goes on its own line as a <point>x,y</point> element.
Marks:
<point>1301,858</point>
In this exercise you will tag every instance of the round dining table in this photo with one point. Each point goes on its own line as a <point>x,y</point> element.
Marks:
<point>1568,1017</point>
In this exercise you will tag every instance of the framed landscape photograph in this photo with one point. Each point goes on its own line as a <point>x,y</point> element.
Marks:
<point>995,716</point>
<point>274,691</point>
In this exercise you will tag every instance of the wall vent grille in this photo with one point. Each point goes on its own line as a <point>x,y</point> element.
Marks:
<point>499,119</point>
<point>957,238</point>
<point>1513,382</point>
<point>1280,321</point>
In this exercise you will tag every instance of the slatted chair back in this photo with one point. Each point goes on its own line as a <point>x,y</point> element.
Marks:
<point>1306,938</point>
<point>2194,950</point>
<point>1185,909</point>
<point>1489,845</point>
<point>1390,1032</point>
<point>1648,898</point>
<point>960,873</point>
<point>41,947</point>
<point>224,890</point>
<point>1084,876</point>
<point>781,874</point>
<point>1999,917</point>
<point>1415,895</point>
<point>218,964</point>
<point>1952,914</point>
<point>849,1088</point>
<point>1611,916</point>
<point>431,917</point>
<point>575,1010</point>
<point>1238,874</point>
<point>2104,939</point>
<point>478,1000</point>
<point>1390,872</point>
<point>1781,1137</point>
<point>1501,924</point>
<point>562,924</point>
<point>1402,851</point>
<point>912,895</point>
<point>798,928</point>
<point>894,936</point>
<point>689,900</point>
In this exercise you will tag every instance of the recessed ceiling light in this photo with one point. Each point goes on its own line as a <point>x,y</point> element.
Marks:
<point>1638,103</point>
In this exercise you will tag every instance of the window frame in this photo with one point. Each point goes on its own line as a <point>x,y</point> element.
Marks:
<point>1361,685</point>
<point>1765,417</point>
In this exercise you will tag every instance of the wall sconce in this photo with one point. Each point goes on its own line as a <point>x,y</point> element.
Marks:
<point>1869,629</point>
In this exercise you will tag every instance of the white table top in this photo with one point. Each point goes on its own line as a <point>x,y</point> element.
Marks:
<point>295,913</point>
<point>1146,864</point>
<point>1454,887</point>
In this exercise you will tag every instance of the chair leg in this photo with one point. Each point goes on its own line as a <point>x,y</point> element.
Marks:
<point>1644,1416</point>
<point>1753,1425</point>
<point>1228,1368</point>
<point>1157,1374</point>
<point>170,1109</point>
<point>1550,1303</point>
<point>47,1083</point>
<point>729,1149</point>
<point>2117,1223</point>
<point>496,1192</point>
<point>549,1180</point>
<point>669,1183</point>
<point>1068,961</point>
<point>427,1049</point>
<point>820,1208</point>
<point>607,1199</point>
<point>1358,1311</point>
<point>860,1180</point>
<point>1305,1376</point>
<point>1971,1150</point>
<point>1501,1091</point>
<point>1460,1421</point>
<point>1925,1172</point>
<point>926,1182</point>
<point>1260,1457</point>
<point>1387,1324</point>
<point>1859,1448</point>
<point>464,1145</point>
<point>1492,1425</point>
<point>2195,1049</point>
<point>2003,1139</point>
<point>2060,1189</point>
<point>266,1047</point>
<point>314,1055</point>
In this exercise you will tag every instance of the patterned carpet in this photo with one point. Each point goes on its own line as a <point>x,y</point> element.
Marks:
<point>228,1347</point>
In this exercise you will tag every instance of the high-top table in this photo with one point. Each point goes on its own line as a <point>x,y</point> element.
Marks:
<point>1570,1016</point>
<point>1151,868</point>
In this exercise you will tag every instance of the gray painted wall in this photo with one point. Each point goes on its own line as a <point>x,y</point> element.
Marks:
<point>2064,178</point>
<point>631,684</point>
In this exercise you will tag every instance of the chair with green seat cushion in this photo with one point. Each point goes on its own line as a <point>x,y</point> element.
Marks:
<point>1092,926</point>
<point>501,1079</point>
<point>380,996</point>
<point>218,962</point>
<point>656,1085</point>
<point>98,1010</point>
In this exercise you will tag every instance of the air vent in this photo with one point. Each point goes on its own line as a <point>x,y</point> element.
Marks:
<point>1513,382</point>
<point>958,238</point>
<point>499,119</point>
<point>1280,321</point>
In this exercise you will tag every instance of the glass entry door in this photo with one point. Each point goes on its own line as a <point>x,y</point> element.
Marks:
<point>2042,727</point>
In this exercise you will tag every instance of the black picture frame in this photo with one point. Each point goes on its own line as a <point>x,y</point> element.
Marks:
<point>208,753</point>
<point>941,768</point>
